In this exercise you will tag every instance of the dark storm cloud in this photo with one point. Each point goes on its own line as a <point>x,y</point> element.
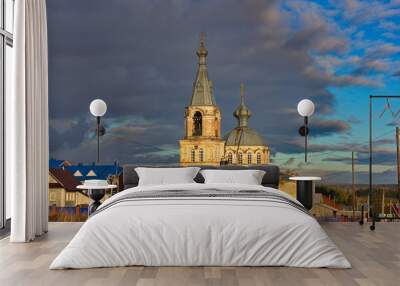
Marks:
<point>67,133</point>
<point>139,56</point>
<point>385,141</point>
<point>327,127</point>
<point>384,149</point>
<point>361,177</point>
<point>387,157</point>
<point>137,141</point>
<point>379,157</point>
<point>346,160</point>
<point>311,37</point>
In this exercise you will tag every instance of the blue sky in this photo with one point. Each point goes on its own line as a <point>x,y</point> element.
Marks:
<point>139,56</point>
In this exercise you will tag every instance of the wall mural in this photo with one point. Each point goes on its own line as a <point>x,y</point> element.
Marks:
<point>176,96</point>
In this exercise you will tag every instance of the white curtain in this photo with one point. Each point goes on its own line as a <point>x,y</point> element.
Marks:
<point>27,123</point>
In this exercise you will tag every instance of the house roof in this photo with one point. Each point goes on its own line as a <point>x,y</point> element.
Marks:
<point>94,172</point>
<point>65,178</point>
<point>54,163</point>
<point>243,136</point>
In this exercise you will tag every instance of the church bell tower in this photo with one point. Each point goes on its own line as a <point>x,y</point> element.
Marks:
<point>202,143</point>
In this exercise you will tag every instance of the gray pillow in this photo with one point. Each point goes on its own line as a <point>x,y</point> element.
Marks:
<point>247,177</point>
<point>166,176</point>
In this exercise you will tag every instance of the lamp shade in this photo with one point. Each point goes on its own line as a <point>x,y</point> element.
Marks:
<point>305,107</point>
<point>98,107</point>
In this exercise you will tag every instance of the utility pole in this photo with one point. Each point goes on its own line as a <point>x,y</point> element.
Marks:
<point>398,161</point>
<point>353,183</point>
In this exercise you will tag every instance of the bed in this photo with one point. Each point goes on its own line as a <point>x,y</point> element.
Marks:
<point>197,224</point>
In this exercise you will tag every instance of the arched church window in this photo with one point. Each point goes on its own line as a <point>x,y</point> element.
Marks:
<point>258,158</point>
<point>249,158</point>
<point>240,158</point>
<point>197,124</point>
<point>193,154</point>
<point>201,153</point>
<point>230,158</point>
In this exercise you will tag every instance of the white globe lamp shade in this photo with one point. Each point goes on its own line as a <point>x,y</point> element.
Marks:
<point>98,107</point>
<point>305,107</point>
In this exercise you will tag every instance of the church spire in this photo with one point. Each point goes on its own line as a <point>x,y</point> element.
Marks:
<point>202,86</point>
<point>202,50</point>
<point>241,94</point>
<point>242,113</point>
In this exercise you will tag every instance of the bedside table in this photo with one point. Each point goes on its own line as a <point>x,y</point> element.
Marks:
<point>305,190</point>
<point>96,193</point>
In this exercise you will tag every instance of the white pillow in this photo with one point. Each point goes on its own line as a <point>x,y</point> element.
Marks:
<point>166,176</point>
<point>248,177</point>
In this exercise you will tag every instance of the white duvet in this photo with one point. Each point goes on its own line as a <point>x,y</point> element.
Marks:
<point>203,232</point>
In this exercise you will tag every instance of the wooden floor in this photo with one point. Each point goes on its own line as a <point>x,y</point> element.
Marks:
<point>375,257</point>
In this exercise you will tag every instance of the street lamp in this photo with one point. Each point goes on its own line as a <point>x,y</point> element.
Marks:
<point>98,108</point>
<point>305,108</point>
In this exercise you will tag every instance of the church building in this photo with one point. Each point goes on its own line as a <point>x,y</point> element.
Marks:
<point>202,143</point>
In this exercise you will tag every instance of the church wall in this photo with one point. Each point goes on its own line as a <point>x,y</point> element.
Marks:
<point>245,150</point>
<point>213,151</point>
<point>209,143</point>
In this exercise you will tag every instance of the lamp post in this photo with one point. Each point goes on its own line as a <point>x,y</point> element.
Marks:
<point>305,108</point>
<point>98,108</point>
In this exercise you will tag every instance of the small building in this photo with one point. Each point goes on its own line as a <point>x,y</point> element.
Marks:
<point>63,191</point>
